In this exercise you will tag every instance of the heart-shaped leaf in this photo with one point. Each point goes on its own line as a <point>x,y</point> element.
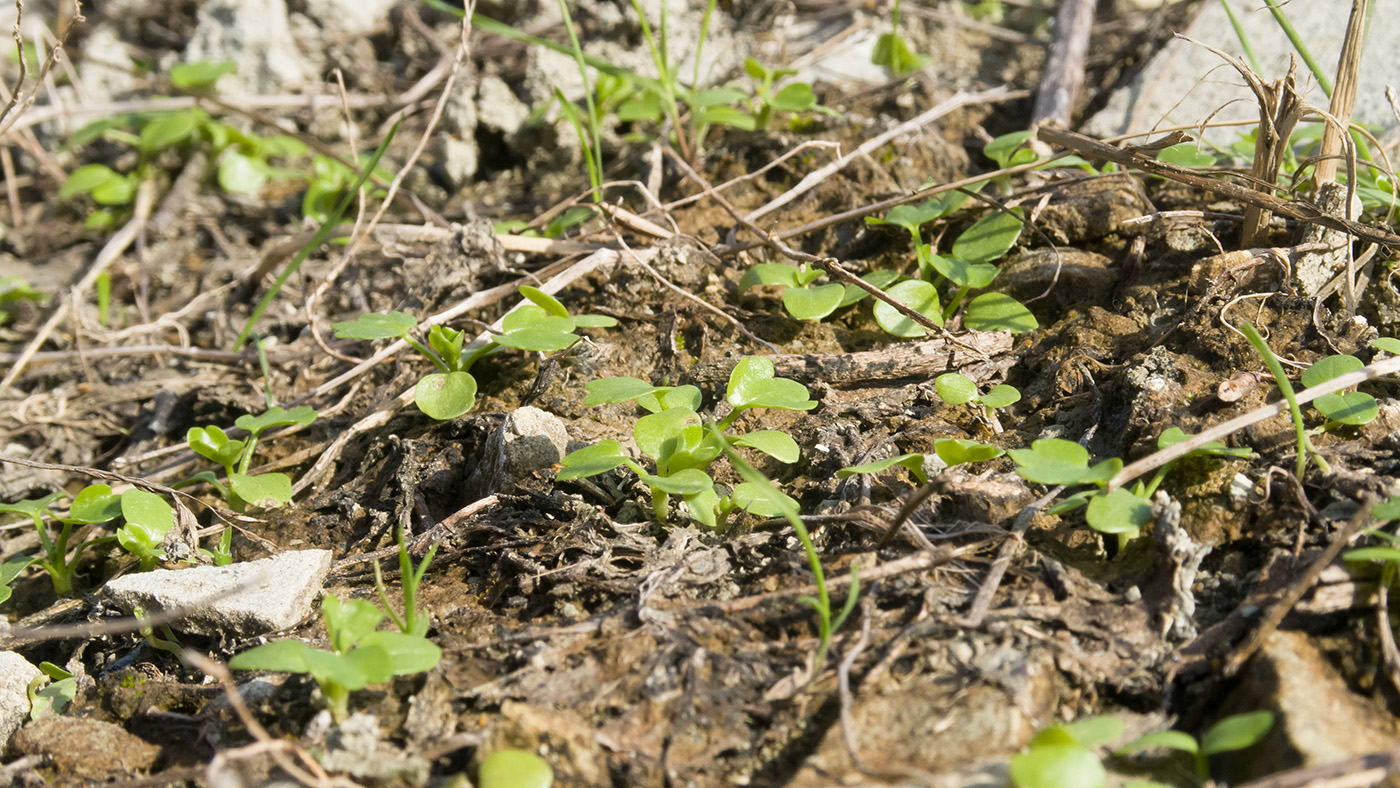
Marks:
<point>793,97</point>
<point>241,174</point>
<point>919,296</point>
<point>667,398</point>
<point>999,312</point>
<point>1057,461</point>
<point>778,445</point>
<point>94,503</point>
<point>955,389</point>
<point>1351,407</point>
<point>989,238</point>
<point>265,491</point>
<point>148,510</point>
<point>813,303</point>
<point>445,396</point>
<point>1118,512</point>
<point>752,385</point>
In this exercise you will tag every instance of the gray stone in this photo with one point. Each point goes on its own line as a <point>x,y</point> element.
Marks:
<point>241,599</point>
<point>497,106</point>
<point>357,748</point>
<point>256,36</point>
<point>529,440</point>
<point>15,675</point>
<point>1185,83</point>
<point>350,16</point>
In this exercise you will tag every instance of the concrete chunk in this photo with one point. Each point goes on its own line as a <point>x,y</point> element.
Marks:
<point>241,599</point>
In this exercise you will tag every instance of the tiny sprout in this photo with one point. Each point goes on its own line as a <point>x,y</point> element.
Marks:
<point>514,769</point>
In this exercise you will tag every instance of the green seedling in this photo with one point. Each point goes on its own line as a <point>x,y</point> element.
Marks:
<point>222,553</point>
<point>1065,755</point>
<point>1236,732</point>
<point>358,655</point>
<point>14,289</point>
<point>51,691</point>
<point>794,97</point>
<point>442,395</point>
<point>266,491</point>
<point>949,451</point>
<point>1388,554</point>
<point>1351,408</point>
<point>1015,150</point>
<point>1121,512</point>
<point>1305,447</point>
<point>544,324</point>
<point>148,518</point>
<point>968,266</point>
<point>672,434</point>
<point>169,644</point>
<point>892,52</point>
<point>802,297</point>
<point>329,183</point>
<point>956,389</point>
<point>766,492</point>
<point>93,504</point>
<point>514,769</point>
<point>414,621</point>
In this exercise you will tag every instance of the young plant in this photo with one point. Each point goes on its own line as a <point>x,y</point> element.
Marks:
<point>442,395</point>
<point>968,267</point>
<point>672,434</point>
<point>51,691</point>
<point>9,571</point>
<point>802,298</point>
<point>268,490</point>
<point>1305,447</point>
<point>765,491</point>
<point>544,324</point>
<point>892,52</point>
<point>93,504</point>
<point>1236,732</point>
<point>949,451</point>
<point>1351,408</point>
<point>148,518</point>
<point>1014,150</point>
<point>956,389</point>
<point>14,289</point>
<point>414,621</point>
<point>1122,512</point>
<point>1065,755</point>
<point>358,654</point>
<point>794,97</point>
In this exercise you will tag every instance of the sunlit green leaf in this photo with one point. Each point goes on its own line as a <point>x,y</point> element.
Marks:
<point>989,238</point>
<point>813,303</point>
<point>376,325</point>
<point>778,445</point>
<point>514,769</point>
<point>999,312</point>
<point>1237,732</point>
<point>592,460</point>
<point>955,389</point>
<point>919,296</point>
<point>1118,512</point>
<point>445,396</point>
<point>266,491</point>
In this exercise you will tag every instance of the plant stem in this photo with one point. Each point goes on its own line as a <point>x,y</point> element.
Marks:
<point>595,156</point>
<point>1305,448</point>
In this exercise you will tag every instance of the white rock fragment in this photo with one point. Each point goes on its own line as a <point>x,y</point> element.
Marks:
<point>529,440</point>
<point>256,35</point>
<point>15,675</point>
<point>241,599</point>
<point>350,16</point>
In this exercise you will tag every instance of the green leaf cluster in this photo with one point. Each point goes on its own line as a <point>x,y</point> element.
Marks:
<point>802,297</point>
<point>950,451</point>
<point>1120,512</point>
<point>543,325</point>
<point>1350,408</point>
<point>968,267</point>
<point>264,491</point>
<point>673,436</point>
<point>51,691</point>
<point>1233,733</point>
<point>358,655</point>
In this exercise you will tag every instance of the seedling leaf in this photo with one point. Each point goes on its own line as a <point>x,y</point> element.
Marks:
<point>752,385</point>
<point>606,390</point>
<point>445,395</point>
<point>1172,740</point>
<point>1057,766</point>
<point>199,74</point>
<point>1093,731</point>
<point>963,273</point>
<point>999,312</point>
<point>408,654</point>
<point>592,460</point>
<point>1237,732</point>
<point>1390,345</point>
<point>955,389</point>
<point>514,769</point>
<point>167,130</point>
<point>276,416</point>
<point>1057,461</point>
<point>914,463</point>
<point>690,481</point>
<point>1327,368</point>
<point>1174,435</point>
<point>94,503</point>
<point>778,445</point>
<point>957,451</point>
<point>1352,407</point>
<point>213,444</point>
<point>989,238</point>
<point>1118,512</point>
<point>758,501</point>
<point>916,294</point>
<point>240,173</point>
<point>1373,554</point>
<point>653,430</point>
<point>813,303</point>
<point>265,491</point>
<point>1000,396</point>
<point>376,325</point>
<point>544,300</point>
<point>148,509</point>
<point>348,622</point>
